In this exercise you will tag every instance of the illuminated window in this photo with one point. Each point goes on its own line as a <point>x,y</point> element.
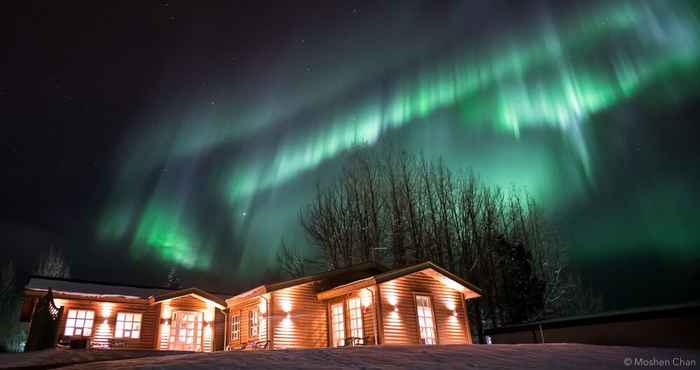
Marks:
<point>128,325</point>
<point>253,323</point>
<point>425,320</point>
<point>236,327</point>
<point>338,323</point>
<point>355,313</point>
<point>79,323</point>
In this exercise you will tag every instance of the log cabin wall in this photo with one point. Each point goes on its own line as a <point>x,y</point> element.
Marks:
<point>399,315</point>
<point>242,310</point>
<point>298,318</point>
<point>105,319</point>
<point>219,330</point>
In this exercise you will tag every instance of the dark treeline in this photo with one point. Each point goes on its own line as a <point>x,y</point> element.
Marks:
<point>13,333</point>
<point>399,209</point>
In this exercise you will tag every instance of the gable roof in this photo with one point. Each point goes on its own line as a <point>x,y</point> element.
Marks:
<point>195,292</point>
<point>453,281</point>
<point>76,288</point>
<point>91,289</point>
<point>327,278</point>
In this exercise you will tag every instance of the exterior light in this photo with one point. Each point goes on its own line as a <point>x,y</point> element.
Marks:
<point>396,308</point>
<point>454,313</point>
<point>106,309</point>
<point>286,306</point>
<point>166,313</point>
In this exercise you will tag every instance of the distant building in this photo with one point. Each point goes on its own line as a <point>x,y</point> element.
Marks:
<point>365,304</point>
<point>661,326</point>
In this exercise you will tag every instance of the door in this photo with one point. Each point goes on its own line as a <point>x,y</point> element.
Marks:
<point>338,325</point>
<point>186,331</point>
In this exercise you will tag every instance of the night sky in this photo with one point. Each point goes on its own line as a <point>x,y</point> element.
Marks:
<point>137,136</point>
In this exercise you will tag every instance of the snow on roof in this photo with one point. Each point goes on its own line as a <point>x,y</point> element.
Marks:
<point>93,289</point>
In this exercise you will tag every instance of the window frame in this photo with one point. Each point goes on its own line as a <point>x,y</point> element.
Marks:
<point>251,314</point>
<point>132,321</point>
<point>75,319</point>
<point>335,328</point>
<point>236,318</point>
<point>418,318</point>
<point>354,331</point>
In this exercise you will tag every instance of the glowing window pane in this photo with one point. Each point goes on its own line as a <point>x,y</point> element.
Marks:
<point>236,327</point>
<point>128,325</point>
<point>355,311</point>
<point>425,320</point>
<point>77,324</point>
<point>338,323</point>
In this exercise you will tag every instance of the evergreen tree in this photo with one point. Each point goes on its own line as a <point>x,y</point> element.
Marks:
<point>174,280</point>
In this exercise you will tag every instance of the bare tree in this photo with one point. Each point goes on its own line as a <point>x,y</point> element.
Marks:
<point>52,264</point>
<point>174,279</point>
<point>415,209</point>
<point>291,261</point>
<point>12,332</point>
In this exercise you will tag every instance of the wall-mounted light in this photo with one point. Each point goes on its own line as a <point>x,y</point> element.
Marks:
<point>454,313</point>
<point>166,313</point>
<point>396,308</point>
<point>106,310</point>
<point>209,313</point>
<point>288,316</point>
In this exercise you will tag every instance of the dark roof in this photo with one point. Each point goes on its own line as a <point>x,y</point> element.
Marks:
<point>327,279</point>
<point>104,289</point>
<point>92,288</point>
<point>393,274</point>
<point>455,282</point>
<point>333,277</point>
<point>644,313</point>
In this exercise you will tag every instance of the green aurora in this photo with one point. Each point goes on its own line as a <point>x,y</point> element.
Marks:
<point>527,100</point>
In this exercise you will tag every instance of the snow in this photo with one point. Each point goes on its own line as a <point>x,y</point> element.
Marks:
<point>519,356</point>
<point>57,357</point>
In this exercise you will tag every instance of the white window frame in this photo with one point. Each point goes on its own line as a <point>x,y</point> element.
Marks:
<point>355,316</point>
<point>338,324</point>
<point>86,319</point>
<point>253,324</point>
<point>236,327</point>
<point>425,315</point>
<point>128,325</point>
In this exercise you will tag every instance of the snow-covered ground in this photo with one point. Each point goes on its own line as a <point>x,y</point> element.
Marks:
<point>524,356</point>
<point>57,357</point>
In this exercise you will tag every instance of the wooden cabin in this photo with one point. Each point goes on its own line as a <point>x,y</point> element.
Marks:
<point>111,316</point>
<point>365,304</point>
<point>361,305</point>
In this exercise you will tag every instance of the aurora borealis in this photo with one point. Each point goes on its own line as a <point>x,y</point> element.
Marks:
<point>209,170</point>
